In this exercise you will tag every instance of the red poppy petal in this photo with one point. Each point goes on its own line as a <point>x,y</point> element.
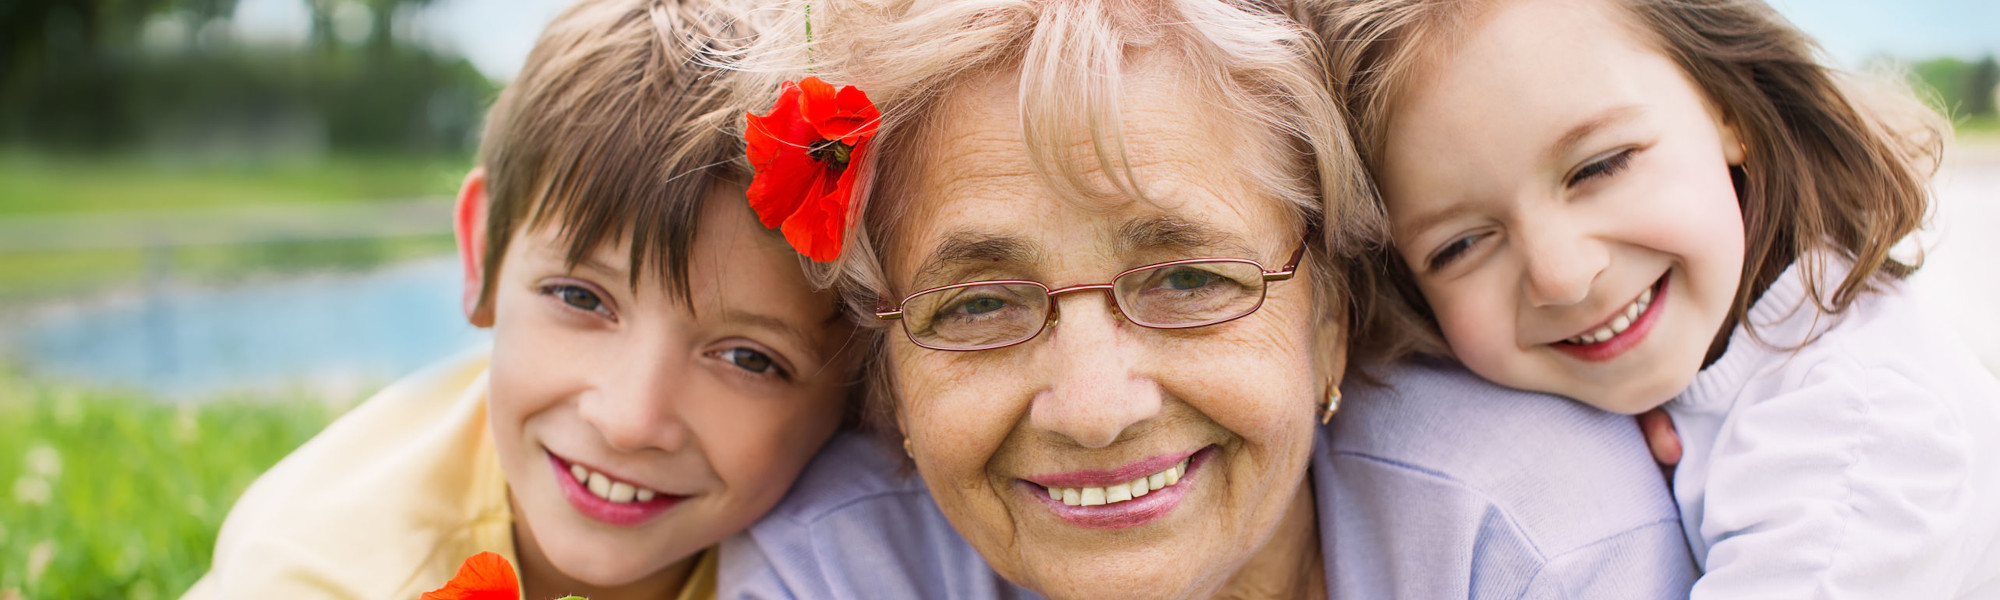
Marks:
<point>483,576</point>
<point>778,146</point>
<point>817,100</point>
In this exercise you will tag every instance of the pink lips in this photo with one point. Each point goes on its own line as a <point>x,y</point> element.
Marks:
<point>623,515</point>
<point>1626,340</point>
<point>1119,515</point>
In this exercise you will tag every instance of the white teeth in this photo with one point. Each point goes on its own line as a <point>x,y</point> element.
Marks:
<point>616,492</point>
<point>600,486</point>
<point>1619,323</point>
<point>1113,494</point>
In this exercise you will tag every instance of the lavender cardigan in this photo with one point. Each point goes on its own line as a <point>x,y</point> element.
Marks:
<point>1439,486</point>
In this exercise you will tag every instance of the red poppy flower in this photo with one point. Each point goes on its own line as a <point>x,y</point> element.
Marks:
<point>801,151</point>
<point>484,576</point>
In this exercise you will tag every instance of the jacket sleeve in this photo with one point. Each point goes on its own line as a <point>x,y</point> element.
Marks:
<point>1855,483</point>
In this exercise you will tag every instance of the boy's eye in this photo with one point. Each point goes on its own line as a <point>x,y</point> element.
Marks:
<point>1606,166</point>
<point>750,360</point>
<point>577,297</point>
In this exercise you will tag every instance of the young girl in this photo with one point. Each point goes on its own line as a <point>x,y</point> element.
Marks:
<point>1645,203</point>
<point>661,370</point>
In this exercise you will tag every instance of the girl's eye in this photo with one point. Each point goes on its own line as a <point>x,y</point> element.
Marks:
<point>1605,167</point>
<point>576,296</point>
<point>751,360</point>
<point>1452,251</point>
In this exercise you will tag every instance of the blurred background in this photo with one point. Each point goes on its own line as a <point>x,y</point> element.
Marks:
<point>223,222</point>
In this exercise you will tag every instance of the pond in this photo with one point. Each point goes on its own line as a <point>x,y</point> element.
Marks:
<point>335,335</point>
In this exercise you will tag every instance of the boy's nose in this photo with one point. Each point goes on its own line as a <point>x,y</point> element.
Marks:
<point>633,407</point>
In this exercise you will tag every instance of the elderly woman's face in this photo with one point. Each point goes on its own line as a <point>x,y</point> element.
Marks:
<point>1095,406</point>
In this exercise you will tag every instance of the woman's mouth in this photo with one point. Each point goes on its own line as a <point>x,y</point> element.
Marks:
<point>1129,496</point>
<point>609,499</point>
<point>1622,331</point>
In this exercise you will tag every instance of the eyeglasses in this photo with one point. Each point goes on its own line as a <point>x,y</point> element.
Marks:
<point>983,315</point>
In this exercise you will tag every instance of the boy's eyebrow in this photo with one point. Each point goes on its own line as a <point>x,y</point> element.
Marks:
<point>1576,135</point>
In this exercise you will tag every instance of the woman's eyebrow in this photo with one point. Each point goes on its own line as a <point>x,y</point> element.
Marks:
<point>967,248</point>
<point>1168,232</point>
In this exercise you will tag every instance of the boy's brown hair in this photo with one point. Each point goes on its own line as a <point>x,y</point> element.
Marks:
<point>618,124</point>
<point>1829,165</point>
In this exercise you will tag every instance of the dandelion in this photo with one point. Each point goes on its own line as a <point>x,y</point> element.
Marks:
<point>45,461</point>
<point>32,491</point>
<point>39,558</point>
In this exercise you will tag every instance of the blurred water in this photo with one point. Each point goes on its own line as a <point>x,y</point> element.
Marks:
<point>335,335</point>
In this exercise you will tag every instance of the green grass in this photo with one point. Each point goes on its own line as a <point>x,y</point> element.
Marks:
<point>39,183</point>
<point>40,276</point>
<point>115,495</point>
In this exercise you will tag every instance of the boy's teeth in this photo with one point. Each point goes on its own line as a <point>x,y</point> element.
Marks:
<point>617,492</point>
<point>1113,494</point>
<point>1618,324</point>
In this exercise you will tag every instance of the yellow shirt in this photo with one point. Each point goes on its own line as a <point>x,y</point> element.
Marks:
<point>385,503</point>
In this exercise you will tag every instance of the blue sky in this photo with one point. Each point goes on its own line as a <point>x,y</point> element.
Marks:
<point>496,34</point>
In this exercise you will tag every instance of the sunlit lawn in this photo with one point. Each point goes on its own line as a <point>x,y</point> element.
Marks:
<point>115,495</point>
<point>42,183</point>
<point>39,184</point>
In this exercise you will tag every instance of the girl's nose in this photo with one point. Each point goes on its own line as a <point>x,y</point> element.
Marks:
<point>1560,263</point>
<point>1094,394</point>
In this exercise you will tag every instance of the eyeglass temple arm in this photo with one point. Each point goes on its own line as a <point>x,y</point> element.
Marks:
<point>1291,266</point>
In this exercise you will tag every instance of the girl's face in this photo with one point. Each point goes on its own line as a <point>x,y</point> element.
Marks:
<point>1561,191</point>
<point>635,430</point>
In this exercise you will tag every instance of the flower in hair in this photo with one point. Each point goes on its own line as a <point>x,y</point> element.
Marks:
<point>483,576</point>
<point>802,150</point>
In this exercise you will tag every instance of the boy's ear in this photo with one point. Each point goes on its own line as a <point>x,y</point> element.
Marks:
<point>469,224</point>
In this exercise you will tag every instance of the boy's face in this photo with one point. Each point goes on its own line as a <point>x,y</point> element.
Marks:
<point>634,432</point>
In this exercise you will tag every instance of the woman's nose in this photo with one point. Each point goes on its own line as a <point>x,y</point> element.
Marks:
<point>1095,395</point>
<point>1561,260</point>
<point>633,405</point>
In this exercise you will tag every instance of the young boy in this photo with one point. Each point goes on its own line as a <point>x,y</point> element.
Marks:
<point>661,370</point>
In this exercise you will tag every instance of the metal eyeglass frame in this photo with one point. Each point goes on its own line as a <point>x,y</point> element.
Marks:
<point>883,311</point>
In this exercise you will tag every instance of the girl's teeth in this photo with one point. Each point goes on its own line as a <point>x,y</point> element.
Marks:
<point>1113,494</point>
<point>1618,324</point>
<point>616,492</point>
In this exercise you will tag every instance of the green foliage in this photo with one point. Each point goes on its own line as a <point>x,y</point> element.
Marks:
<point>32,184</point>
<point>116,495</point>
<point>1962,89</point>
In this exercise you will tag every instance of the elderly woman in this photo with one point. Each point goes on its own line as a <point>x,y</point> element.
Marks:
<point>1101,251</point>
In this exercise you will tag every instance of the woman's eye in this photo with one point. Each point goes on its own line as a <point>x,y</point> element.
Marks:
<point>1608,166</point>
<point>1189,279</point>
<point>978,306</point>
<point>1452,252</point>
<point>577,297</point>
<point>750,360</point>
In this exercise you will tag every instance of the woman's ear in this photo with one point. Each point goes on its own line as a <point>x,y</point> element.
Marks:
<point>1330,343</point>
<point>469,225</point>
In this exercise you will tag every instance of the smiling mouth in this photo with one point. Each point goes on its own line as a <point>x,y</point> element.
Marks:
<point>1618,323</point>
<point>1119,492</point>
<point>607,499</point>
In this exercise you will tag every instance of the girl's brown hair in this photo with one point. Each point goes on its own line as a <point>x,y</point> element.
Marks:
<point>1830,163</point>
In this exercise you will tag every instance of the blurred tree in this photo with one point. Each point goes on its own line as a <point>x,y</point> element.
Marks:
<point>1980,87</point>
<point>382,36</point>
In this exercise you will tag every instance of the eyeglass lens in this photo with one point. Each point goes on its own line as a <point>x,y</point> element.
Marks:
<point>977,316</point>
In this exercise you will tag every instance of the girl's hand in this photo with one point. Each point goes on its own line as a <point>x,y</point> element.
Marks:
<point>1662,439</point>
